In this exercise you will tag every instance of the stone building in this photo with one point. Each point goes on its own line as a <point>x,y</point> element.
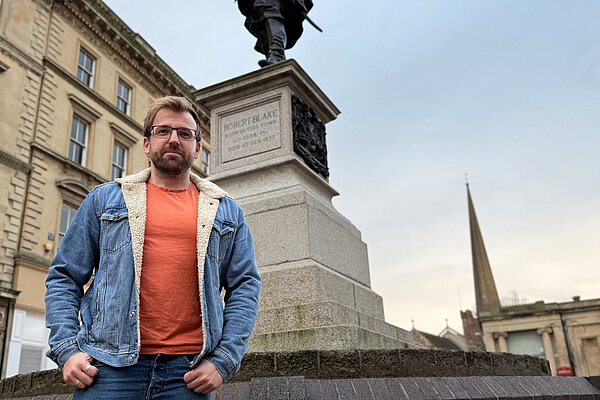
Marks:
<point>566,334</point>
<point>76,84</point>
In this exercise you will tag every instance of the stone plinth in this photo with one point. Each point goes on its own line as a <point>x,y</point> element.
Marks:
<point>268,152</point>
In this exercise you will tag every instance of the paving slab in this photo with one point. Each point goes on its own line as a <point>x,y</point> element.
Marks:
<point>514,381</point>
<point>313,390</point>
<point>533,380</point>
<point>379,388</point>
<point>396,389</point>
<point>470,388</point>
<point>500,393</point>
<point>243,390</point>
<point>455,387</point>
<point>297,388</point>
<point>277,389</point>
<point>362,389</point>
<point>328,390</point>
<point>507,386</point>
<point>427,388</point>
<point>535,392</point>
<point>259,388</point>
<point>482,387</point>
<point>345,389</point>
<point>442,388</point>
<point>410,387</point>
<point>226,392</point>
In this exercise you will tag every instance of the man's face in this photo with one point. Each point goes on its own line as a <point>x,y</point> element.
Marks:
<point>172,156</point>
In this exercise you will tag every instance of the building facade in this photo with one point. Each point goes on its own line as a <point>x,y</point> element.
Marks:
<point>76,84</point>
<point>566,334</point>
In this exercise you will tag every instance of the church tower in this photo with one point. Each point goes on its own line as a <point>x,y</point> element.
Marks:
<point>486,294</point>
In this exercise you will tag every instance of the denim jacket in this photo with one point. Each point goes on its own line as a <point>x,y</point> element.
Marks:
<point>106,238</point>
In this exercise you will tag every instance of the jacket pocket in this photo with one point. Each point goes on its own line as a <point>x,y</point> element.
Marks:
<point>220,240</point>
<point>98,293</point>
<point>115,229</point>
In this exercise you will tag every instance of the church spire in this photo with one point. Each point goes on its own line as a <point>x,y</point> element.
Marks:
<point>486,294</point>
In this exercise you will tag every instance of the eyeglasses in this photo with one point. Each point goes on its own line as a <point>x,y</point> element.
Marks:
<point>165,131</point>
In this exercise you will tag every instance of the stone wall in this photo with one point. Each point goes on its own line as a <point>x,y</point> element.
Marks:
<point>366,374</point>
<point>325,366</point>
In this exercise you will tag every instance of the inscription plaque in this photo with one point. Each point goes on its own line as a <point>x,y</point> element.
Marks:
<point>250,132</point>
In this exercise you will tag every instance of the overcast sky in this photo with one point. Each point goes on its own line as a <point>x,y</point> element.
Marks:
<point>506,91</point>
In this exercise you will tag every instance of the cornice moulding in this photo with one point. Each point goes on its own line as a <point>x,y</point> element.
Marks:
<point>14,162</point>
<point>19,56</point>
<point>107,26</point>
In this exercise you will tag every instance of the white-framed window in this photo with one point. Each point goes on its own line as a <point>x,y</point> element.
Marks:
<point>66,216</point>
<point>85,68</point>
<point>124,97</point>
<point>28,344</point>
<point>78,142</point>
<point>119,161</point>
<point>205,159</point>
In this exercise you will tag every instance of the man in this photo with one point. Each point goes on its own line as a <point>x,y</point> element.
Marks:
<point>160,245</point>
<point>276,24</point>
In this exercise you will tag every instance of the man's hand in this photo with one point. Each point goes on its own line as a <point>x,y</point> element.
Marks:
<point>204,378</point>
<point>78,371</point>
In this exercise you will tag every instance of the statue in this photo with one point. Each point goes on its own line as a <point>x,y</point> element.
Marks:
<point>276,24</point>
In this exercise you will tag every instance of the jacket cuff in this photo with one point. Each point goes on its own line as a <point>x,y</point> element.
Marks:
<point>224,365</point>
<point>62,352</point>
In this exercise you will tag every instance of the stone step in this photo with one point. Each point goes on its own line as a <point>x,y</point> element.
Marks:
<point>307,281</point>
<point>323,314</point>
<point>335,337</point>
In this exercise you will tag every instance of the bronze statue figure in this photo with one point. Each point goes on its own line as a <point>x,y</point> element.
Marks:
<point>276,24</point>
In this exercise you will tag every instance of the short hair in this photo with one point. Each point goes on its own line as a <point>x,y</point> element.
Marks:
<point>175,103</point>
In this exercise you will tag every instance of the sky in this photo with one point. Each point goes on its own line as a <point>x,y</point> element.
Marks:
<point>506,91</point>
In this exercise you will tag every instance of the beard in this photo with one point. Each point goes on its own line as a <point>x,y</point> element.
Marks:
<point>170,164</point>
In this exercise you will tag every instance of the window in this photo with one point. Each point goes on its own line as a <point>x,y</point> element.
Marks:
<point>205,158</point>
<point>30,359</point>
<point>85,68</point>
<point>66,216</point>
<point>77,145</point>
<point>118,161</point>
<point>525,342</point>
<point>123,97</point>
<point>28,343</point>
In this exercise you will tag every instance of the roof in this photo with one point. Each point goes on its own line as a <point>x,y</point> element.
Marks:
<point>439,342</point>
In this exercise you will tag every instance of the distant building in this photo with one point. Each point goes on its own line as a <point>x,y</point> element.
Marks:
<point>448,339</point>
<point>567,334</point>
<point>76,84</point>
<point>473,335</point>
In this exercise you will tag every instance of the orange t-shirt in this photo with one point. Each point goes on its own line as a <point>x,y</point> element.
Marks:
<point>170,315</point>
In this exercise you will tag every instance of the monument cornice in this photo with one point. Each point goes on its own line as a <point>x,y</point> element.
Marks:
<point>283,73</point>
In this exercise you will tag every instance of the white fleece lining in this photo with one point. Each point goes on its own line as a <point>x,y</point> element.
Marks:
<point>134,193</point>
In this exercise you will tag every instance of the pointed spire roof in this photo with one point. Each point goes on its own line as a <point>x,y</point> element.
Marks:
<point>486,294</point>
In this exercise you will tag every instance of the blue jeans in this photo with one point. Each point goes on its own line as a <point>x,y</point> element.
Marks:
<point>157,376</point>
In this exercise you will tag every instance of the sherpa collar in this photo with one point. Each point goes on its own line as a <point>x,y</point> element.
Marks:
<point>203,185</point>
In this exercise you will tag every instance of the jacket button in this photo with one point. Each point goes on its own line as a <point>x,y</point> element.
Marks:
<point>132,356</point>
<point>132,314</point>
